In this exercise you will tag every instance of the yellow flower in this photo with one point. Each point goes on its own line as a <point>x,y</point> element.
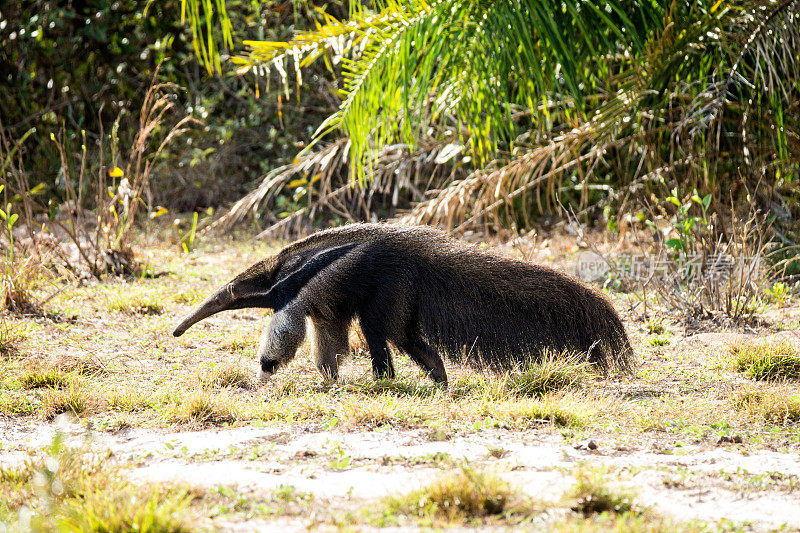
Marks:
<point>115,172</point>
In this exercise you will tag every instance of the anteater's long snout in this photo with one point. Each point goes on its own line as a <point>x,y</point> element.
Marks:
<point>221,300</point>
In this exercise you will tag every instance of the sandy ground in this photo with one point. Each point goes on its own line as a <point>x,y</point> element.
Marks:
<point>353,469</point>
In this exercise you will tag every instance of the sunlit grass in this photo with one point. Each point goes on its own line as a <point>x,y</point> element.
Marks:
<point>136,303</point>
<point>462,496</point>
<point>593,494</point>
<point>74,490</point>
<point>553,372</point>
<point>767,361</point>
<point>775,405</point>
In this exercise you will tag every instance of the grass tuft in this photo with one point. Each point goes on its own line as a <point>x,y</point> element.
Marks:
<point>51,378</point>
<point>591,495</point>
<point>76,490</point>
<point>73,399</point>
<point>205,408</point>
<point>552,373</point>
<point>462,496</point>
<point>141,303</point>
<point>127,510</point>
<point>228,376</point>
<point>767,361</point>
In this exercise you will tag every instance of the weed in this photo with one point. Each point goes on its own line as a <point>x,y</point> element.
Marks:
<point>592,495</point>
<point>187,239</point>
<point>496,452</point>
<point>767,361</point>
<point>551,373</point>
<point>655,326</point>
<point>462,496</point>
<point>780,293</point>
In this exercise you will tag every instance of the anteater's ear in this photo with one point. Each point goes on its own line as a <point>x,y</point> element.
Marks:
<point>288,286</point>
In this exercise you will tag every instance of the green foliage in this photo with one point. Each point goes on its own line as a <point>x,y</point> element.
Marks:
<point>659,340</point>
<point>564,99</point>
<point>780,293</point>
<point>86,66</point>
<point>410,66</point>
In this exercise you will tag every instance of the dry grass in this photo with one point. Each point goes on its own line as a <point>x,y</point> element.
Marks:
<point>552,373</point>
<point>74,399</point>
<point>48,377</point>
<point>463,496</point>
<point>592,494</point>
<point>73,490</point>
<point>205,408</point>
<point>226,375</point>
<point>767,361</point>
<point>774,405</point>
<point>116,368</point>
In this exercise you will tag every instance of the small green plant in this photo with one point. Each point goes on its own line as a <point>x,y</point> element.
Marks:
<point>659,340</point>
<point>655,326</point>
<point>780,293</point>
<point>187,239</point>
<point>686,225</point>
<point>767,361</point>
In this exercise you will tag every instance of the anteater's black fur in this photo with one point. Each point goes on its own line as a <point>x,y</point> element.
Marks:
<point>425,293</point>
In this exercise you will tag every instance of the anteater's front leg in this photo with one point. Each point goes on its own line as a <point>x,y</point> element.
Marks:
<point>329,345</point>
<point>280,342</point>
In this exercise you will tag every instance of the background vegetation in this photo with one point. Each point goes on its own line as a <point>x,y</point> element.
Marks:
<point>678,119</point>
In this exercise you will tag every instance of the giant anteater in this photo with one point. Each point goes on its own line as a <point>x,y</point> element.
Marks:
<point>425,293</point>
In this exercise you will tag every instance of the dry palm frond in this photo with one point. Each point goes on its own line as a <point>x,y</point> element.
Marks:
<point>399,174</point>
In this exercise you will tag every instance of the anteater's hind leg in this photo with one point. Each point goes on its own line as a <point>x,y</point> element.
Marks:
<point>426,357</point>
<point>329,345</point>
<point>280,342</point>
